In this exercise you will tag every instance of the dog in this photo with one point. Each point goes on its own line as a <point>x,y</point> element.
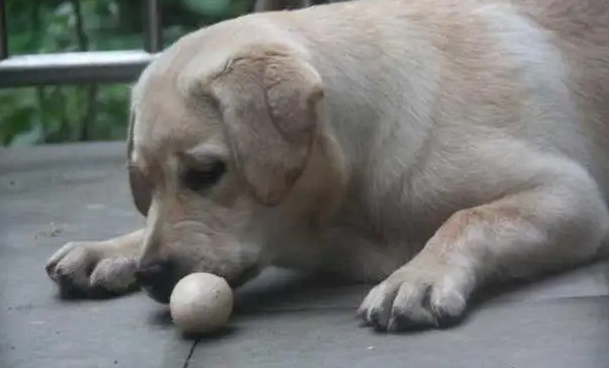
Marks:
<point>431,147</point>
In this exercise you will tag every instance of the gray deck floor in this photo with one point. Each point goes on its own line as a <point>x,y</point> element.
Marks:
<point>51,195</point>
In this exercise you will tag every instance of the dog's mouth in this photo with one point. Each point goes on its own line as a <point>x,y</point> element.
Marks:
<point>161,292</point>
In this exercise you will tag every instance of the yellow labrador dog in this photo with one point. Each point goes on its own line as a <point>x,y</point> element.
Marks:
<point>433,146</point>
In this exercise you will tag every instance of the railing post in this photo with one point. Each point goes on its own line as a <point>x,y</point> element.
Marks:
<point>3,31</point>
<point>153,41</point>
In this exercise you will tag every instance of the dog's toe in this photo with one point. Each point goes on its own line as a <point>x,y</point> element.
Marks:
<point>376,307</point>
<point>116,275</point>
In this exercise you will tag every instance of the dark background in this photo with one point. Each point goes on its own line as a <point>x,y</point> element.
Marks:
<point>53,114</point>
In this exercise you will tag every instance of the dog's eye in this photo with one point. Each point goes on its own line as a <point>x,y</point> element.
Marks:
<point>198,179</point>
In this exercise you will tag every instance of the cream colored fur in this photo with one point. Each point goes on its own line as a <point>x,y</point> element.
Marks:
<point>432,146</point>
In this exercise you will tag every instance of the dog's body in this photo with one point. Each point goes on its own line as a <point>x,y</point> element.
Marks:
<point>432,145</point>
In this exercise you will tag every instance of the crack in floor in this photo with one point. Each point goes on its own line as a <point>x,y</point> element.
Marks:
<point>190,353</point>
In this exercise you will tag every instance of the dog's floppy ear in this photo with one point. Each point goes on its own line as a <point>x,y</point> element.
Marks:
<point>140,192</point>
<point>268,103</point>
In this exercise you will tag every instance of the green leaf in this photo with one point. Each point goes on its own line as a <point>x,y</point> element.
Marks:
<point>212,8</point>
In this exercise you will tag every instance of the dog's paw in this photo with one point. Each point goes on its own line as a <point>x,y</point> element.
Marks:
<point>85,269</point>
<point>413,298</point>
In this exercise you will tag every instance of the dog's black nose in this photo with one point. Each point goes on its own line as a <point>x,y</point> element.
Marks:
<point>157,278</point>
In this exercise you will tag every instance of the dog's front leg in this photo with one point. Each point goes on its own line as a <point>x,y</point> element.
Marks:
<point>555,224</point>
<point>97,268</point>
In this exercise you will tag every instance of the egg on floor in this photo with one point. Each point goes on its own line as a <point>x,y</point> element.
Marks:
<point>201,303</point>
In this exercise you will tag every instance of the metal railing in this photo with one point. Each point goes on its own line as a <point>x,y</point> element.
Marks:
<point>87,67</point>
<point>82,67</point>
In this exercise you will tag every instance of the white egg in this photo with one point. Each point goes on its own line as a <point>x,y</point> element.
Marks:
<point>201,303</point>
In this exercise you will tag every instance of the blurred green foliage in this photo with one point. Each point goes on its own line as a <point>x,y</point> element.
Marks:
<point>50,114</point>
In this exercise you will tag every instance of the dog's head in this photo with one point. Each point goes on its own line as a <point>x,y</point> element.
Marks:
<point>216,133</point>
